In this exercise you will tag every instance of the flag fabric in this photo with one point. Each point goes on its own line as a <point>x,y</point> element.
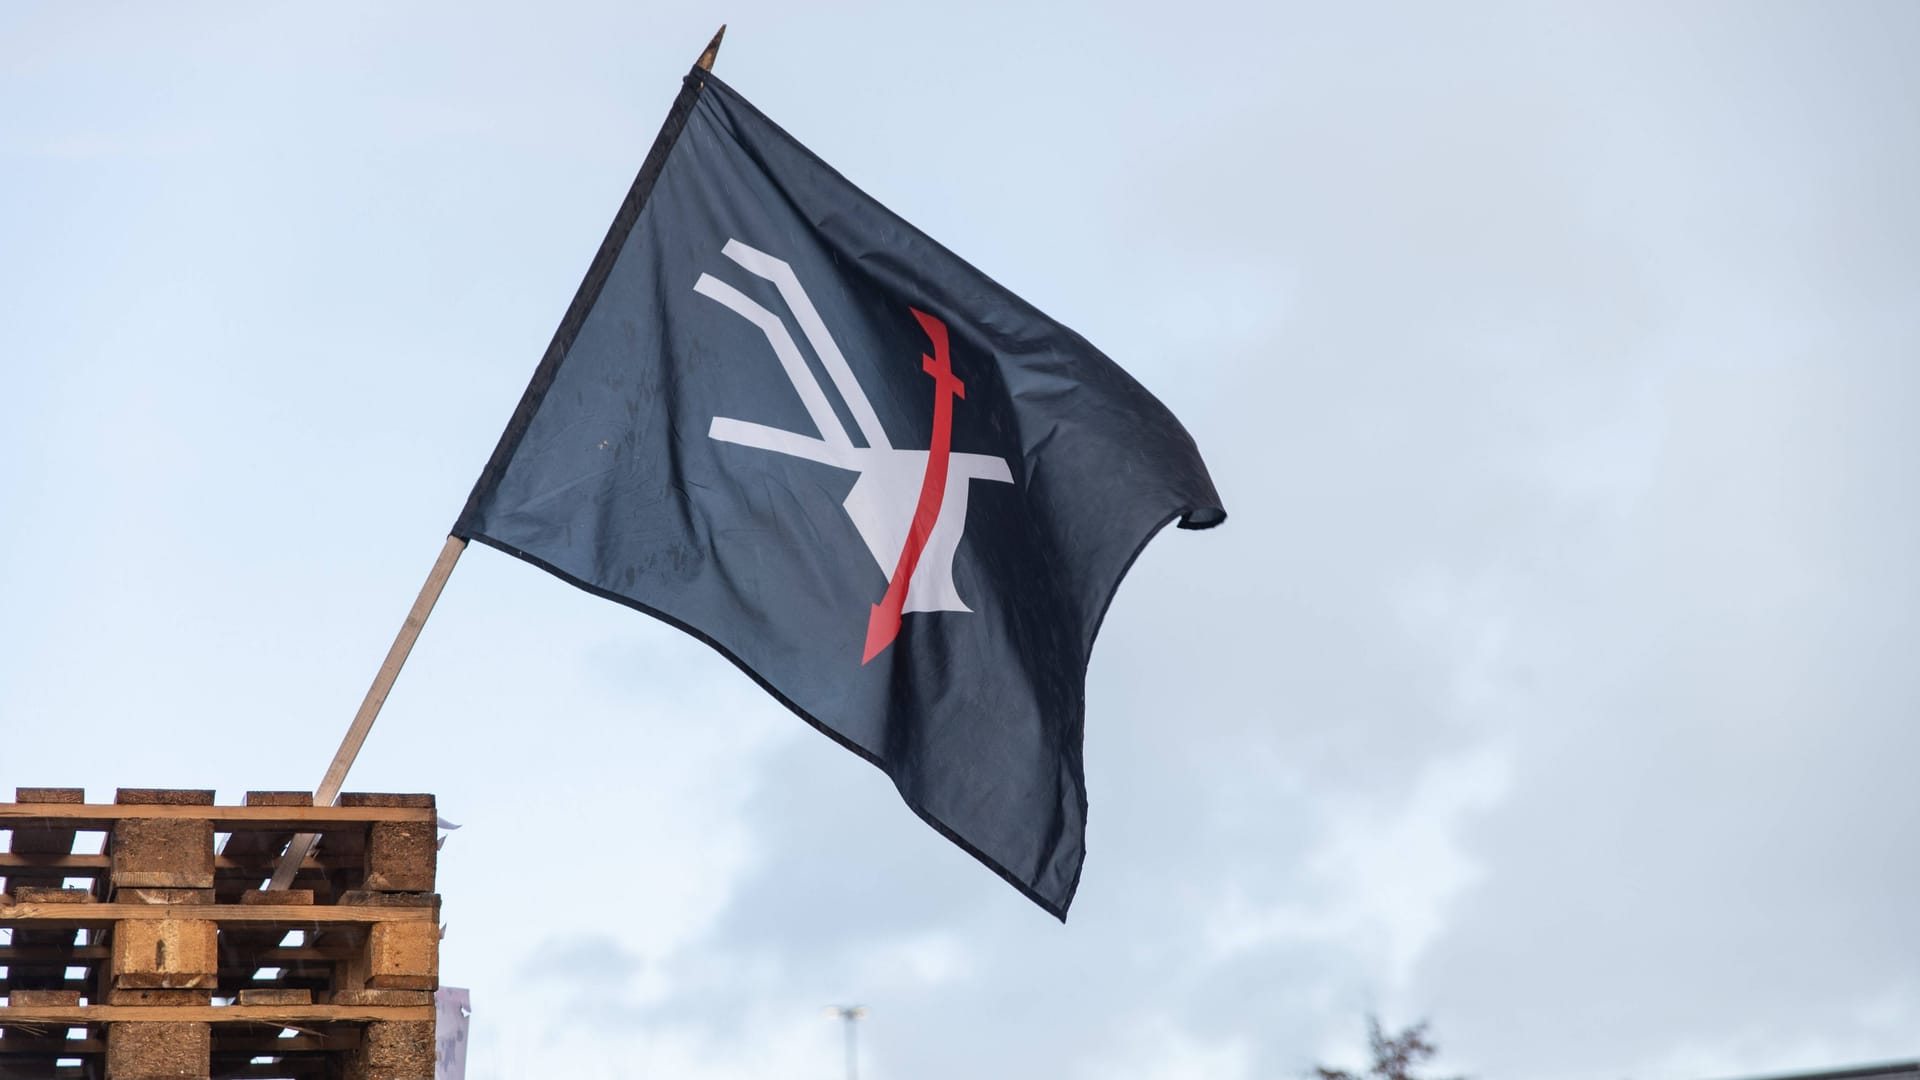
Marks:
<point>452,1014</point>
<point>782,419</point>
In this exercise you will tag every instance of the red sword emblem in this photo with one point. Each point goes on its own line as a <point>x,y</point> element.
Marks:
<point>883,623</point>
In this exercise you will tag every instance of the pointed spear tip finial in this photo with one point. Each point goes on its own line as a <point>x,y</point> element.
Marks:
<point>705,63</point>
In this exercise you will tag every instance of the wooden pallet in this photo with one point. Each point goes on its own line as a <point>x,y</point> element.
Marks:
<point>136,941</point>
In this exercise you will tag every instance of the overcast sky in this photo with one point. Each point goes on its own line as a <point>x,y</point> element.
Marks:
<point>1553,679</point>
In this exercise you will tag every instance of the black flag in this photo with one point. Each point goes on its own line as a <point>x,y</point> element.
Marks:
<point>782,419</point>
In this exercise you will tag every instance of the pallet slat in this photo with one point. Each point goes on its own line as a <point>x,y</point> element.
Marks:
<point>282,1015</point>
<point>89,817</point>
<point>77,916</point>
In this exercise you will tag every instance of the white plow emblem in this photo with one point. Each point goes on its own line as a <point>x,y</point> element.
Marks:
<point>910,506</point>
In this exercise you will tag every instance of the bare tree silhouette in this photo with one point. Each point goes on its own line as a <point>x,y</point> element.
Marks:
<point>1394,1056</point>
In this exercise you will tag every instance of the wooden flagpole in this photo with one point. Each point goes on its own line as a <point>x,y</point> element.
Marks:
<point>712,51</point>
<point>329,788</point>
<point>336,775</point>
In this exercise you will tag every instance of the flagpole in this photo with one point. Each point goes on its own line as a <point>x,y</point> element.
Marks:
<point>383,680</point>
<point>712,51</point>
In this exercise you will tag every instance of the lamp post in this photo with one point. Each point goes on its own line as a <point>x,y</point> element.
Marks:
<point>851,1014</point>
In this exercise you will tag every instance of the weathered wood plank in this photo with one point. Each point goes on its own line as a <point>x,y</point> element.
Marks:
<point>148,796</point>
<point>68,955</point>
<point>89,816</point>
<point>275,995</point>
<point>27,999</point>
<point>67,1048</point>
<point>71,986</point>
<point>50,894</point>
<point>283,1015</point>
<point>61,916</point>
<point>149,1050</point>
<point>167,954</point>
<point>403,956</point>
<point>149,996</point>
<point>270,956</point>
<point>393,1051</point>
<point>162,854</point>
<point>64,861</point>
<point>226,866</point>
<point>382,997</point>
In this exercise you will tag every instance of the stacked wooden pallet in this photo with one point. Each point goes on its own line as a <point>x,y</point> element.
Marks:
<point>143,947</point>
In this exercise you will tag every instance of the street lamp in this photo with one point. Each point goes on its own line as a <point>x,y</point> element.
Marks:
<point>851,1014</point>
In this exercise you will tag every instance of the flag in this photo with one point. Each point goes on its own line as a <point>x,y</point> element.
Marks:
<point>782,419</point>
<point>452,1013</point>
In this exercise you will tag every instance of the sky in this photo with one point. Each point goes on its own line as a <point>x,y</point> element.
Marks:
<point>1552,679</point>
